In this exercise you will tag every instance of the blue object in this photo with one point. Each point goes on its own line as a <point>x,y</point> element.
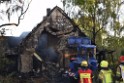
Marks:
<point>93,63</point>
<point>72,66</point>
<point>87,46</point>
<point>76,63</point>
<point>86,41</point>
<point>73,40</point>
<point>84,48</point>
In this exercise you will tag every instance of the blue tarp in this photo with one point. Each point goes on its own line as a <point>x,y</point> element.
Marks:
<point>78,40</point>
<point>87,46</point>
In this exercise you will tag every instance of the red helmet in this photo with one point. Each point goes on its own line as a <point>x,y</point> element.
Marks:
<point>121,59</point>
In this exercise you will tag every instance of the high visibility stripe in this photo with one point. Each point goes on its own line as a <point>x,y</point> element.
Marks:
<point>81,78</point>
<point>84,75</point>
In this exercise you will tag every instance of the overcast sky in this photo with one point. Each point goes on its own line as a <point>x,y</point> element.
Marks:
<point>34,15</point>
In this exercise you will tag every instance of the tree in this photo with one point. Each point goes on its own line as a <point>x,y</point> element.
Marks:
<point>95,16</point>
<point>12,11</point>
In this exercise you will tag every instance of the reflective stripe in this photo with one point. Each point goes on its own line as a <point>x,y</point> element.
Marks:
<point>84,75</point>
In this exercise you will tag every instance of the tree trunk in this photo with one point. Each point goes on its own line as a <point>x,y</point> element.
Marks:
<point>94,36</point>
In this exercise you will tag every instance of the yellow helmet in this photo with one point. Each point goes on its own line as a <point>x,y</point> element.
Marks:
<point>84,63</point>
<point>104,63</point>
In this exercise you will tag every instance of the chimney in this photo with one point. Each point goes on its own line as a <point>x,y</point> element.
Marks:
<point>48,11</point>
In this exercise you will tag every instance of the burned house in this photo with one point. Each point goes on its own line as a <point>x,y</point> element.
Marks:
<point>9,52</point>
<point>48,39</point>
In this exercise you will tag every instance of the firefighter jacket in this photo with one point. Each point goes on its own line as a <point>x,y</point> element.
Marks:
<point>106,76</point>
<point>85,75</point>
<point>120,73</point>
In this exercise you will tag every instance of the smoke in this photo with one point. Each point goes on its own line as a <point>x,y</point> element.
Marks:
<point>49,54</point>
<point>45,51</point>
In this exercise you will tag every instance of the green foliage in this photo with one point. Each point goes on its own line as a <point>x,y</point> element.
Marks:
<point>80,2</point>
<point>96,17</point>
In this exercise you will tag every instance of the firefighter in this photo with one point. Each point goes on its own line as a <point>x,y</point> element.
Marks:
<point>120,70</point>
<point>105,74</point>
<point>84,74</point>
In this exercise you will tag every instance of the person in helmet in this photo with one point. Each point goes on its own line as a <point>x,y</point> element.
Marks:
<point>120,70</point>
<point>84,74</point>
<point>105,74</point>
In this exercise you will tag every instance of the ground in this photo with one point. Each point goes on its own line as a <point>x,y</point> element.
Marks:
<point>44,78</point>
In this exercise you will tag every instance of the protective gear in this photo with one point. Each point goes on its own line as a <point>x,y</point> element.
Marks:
<point>121,59</point>
<point>85,76</point>
<point>84,63</point>
<point>120,73</point>
<point>120,70</point>
<point>106,76</point>
<point>104,63</point>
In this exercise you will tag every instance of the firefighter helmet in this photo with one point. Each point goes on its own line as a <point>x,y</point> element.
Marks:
<point>121,59</point>
<point>84,63</point>
<point>104,63</point>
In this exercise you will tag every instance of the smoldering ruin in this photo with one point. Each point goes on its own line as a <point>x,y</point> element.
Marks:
<point>49,41</point>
